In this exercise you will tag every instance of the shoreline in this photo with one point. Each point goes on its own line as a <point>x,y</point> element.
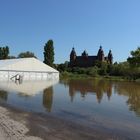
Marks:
<point>19,124</point>
<point>111,78</point>
<point>70,75</point>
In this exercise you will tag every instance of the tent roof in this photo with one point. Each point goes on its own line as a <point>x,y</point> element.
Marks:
<point>25,64</point>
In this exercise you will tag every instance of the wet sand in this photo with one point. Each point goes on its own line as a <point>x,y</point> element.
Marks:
<point>16,124</point>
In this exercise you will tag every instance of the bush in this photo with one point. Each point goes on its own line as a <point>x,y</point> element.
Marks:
<point>92,71</point>
<point>123,70</point>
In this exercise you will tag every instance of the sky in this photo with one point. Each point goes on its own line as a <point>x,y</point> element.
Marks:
<point>26,25</point>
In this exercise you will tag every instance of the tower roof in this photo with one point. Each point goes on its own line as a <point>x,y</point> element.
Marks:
<point>110,54</point>
<point>100,51</point>
<point>84,53</point>
<point>73,52</point>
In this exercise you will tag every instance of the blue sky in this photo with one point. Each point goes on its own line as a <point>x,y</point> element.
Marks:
<point>26,25</point>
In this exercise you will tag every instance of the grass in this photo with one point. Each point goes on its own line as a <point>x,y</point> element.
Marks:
<point>69,75</point>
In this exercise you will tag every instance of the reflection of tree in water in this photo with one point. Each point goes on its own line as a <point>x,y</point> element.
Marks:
<point>98,87</point>
<point>24,95</point>
<point>48,98</point>
<point>3,95</point>
<point>132,91</point>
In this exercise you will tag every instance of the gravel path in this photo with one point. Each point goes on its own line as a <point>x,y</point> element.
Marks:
<point>11,129</point>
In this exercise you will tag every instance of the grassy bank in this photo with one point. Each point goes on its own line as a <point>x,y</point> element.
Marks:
<point>69,75</point>
<point>121,72</point>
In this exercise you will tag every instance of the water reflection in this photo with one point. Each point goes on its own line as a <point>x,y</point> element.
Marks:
<point>110,104</point>
<point>27,88</point>
<point>98,87</point>
<point>132,91</point>
<point>103,90</point>
<point>106,88</point>
<point>3,95</point>
<point>48,98</point>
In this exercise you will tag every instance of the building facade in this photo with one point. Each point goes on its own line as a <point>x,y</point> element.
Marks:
<point>88,61</point>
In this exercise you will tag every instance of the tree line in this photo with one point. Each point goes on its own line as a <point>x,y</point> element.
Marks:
<point>5,54</point>
<point>48,53</point>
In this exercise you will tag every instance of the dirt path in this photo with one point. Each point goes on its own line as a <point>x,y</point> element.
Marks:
<point>11,129</point>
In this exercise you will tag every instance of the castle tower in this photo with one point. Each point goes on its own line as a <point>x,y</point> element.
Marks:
<point>100,54</point>
<point>85,54</point>
<point>110,57</point>
<point>72,57</point>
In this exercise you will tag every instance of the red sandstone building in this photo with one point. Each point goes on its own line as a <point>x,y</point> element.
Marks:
<point>88,61</point>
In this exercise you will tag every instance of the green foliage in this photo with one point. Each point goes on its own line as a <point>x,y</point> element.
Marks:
<point>134,61</point>
<point>11,57</point>
<point>61,68</point>
<point>26,54</point>
<point>49,53</point>
<point>103,68</point>
<point>121,70</point>
<point>98,63</point>
<point>66,74</point>
<point>124,70</point>
<point>93,71</point>
<point>4,52</point>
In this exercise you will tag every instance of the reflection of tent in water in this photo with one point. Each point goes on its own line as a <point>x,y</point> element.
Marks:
<point>27,87</point>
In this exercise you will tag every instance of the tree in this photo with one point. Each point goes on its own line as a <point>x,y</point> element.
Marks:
<point>135,59</point>
<point>4,52</point>
<point>11,57</point>
<point>63,66</point>
<point>49,53</point>
<point>26,54</point>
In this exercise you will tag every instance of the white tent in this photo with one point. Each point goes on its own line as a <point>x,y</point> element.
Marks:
<point>27,69</point>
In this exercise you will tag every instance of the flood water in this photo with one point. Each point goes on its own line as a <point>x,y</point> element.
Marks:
<point>109,105</point>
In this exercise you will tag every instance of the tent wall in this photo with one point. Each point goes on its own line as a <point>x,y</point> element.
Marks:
<point>28,75</point>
